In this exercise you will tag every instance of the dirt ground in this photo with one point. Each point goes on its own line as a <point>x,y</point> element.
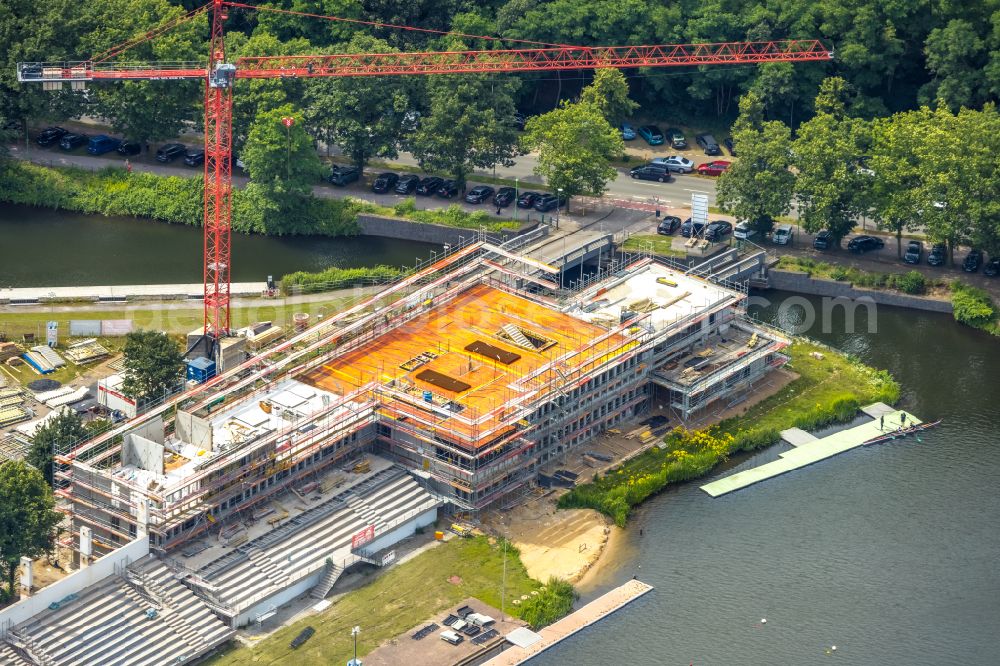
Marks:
<point>562,543</point>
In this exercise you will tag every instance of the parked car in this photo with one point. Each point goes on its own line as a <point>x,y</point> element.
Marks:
<point>713,168</point>
<point>676,163</point>
<point>406,184</point>
<point>411,121</point>
<point>504,197</point>
<point>938,255</point>
<point>49,136</point>
<point>914,252</point>
<point>71,141</point>
<point>448,189</point>
<point>657,172</point>
<point>708,144</point>
<point>730,146</point>
<point>628,132</point>
<point>519,120</point>
<point>129,148</point>
<point>823,240</point>
<point>171,151</point>
<point>973,261</point>
<point>744,231</point>
<point>102,143</point>
<point>717,230</point>
<point>479,194</point>
<point>783,234</point>
<point>652,135</point>
<point>668,225</point>
<point>548,202</point>
<point>342,174</point>
<point>428,185</point>
<point>194,156</point>
<point>861,244</point>
<point>992,269</point>
<point>677,139</point>
<point>527,199</point>
<point>690,227</point>
<point>384,182</point>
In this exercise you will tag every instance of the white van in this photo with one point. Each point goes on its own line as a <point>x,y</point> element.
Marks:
<point>782,234</point>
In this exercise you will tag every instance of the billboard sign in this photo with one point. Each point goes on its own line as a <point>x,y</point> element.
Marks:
<point>52,333</point>
<point>363,537</point>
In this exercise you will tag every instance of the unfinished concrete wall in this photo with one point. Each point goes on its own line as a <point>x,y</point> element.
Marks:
<point>151,430</point>
<point>193,430</point>
<point>143,453</point>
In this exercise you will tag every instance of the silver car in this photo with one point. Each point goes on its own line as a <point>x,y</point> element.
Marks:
<point>675,163</point>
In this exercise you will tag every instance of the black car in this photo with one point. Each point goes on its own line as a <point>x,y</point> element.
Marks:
<point>49,136</point>
<point>730,146</point>
<point>860,244</point>
<point>519,120</point>
<point>129,148</point>
<point>938,255</point>
<point>527,199</point>
<point>406,184</point>
<point>548,202</point>
<point>384,182</point>
<point>194,157</point>
<point>429,185</point>
<point>973,261</point>
<point>668,225</point>
<point>823,240</point>
<point>170,152</point>
<point>691,227</point>
<point>71,141</point>
<point>341,174</point>
<point>504,197</point>
<point>655,172</point>
<point>718,230</point>
<point>992,268</point>
<point>914,252</point>
<point>448,189</point>
<point>708,144</point>
<point>479,194</point>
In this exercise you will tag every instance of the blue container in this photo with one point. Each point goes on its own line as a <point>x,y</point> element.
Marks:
<point>428,396</point>
<point>200,369</point>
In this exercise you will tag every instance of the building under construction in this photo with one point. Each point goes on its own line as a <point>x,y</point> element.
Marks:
<point>471,373</point>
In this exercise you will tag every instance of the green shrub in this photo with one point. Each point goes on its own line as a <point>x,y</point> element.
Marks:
<point>839,273</point>
<point>302,282</point>
<point>911,283</point>
<point>972,306</point>
<point>552,602</point>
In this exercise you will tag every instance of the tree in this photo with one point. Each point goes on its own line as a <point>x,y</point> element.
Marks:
<point>279,156</point>
<point>957,56</point>
<point>609,93</point>
<point>363,114</point>
<point>27,518</point>
<point>153,364</point>
<point>758,186</point>
<point>61,432</point>
<point>575,145</point>
<point>469,125</point>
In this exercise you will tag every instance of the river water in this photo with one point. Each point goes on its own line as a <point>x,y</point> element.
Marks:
<point>58,248</point>
<point>888,552</point>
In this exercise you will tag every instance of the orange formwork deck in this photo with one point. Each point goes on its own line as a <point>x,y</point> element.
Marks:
<point>477,314</point>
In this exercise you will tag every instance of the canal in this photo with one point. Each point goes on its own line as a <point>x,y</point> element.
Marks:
<point>888,552</point>
<point>45,247</point>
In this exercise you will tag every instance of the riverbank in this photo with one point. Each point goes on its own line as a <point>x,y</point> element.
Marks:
<point>830,388</point>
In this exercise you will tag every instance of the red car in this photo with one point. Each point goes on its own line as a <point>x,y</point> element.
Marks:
<point>713,168</point>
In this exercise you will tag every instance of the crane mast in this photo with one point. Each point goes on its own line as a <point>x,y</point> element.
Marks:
<point>219,76</point>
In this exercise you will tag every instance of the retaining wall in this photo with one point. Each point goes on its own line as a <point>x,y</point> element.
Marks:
<point>804,284</point>
<point>389,227</point>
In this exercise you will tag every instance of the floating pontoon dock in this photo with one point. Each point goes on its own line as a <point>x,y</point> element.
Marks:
<point>807,452</point>
<point>555,633</point>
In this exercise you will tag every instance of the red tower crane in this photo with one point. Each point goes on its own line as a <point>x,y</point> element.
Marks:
<point>220,75</point>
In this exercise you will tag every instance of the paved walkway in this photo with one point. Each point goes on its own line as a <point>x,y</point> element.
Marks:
<point>590,614</point>
<point>133,291</point>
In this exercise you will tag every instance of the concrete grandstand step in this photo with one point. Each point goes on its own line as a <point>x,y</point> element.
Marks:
<point>262,561</point>
<point>9,656</point>
<point>327,582</point>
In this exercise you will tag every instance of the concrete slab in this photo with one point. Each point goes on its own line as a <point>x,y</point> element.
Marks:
<point>877,409</point>
<point>797,436</point>
<point>809,453</point>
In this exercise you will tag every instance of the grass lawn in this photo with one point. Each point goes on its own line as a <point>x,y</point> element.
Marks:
<point>662,245</point>
<point>397,599</point>
<point>829,389</point>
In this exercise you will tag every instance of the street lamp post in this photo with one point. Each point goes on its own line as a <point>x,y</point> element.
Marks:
<point>354,632</point>
<point>517,195</point>
<point>288,121</point>
<point>559,197</point>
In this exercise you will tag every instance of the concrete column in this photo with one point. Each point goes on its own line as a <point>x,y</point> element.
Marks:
<point>86,546</point>
<point>27,577</point>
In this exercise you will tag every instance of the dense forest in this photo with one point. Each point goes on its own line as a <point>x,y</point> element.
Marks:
<point>895,55</point>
